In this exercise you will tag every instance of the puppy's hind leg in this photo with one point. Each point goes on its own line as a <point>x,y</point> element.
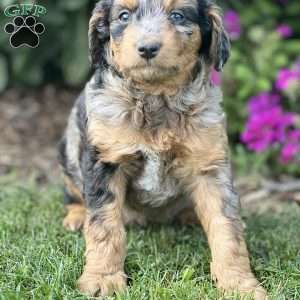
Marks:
<point>74,203</point>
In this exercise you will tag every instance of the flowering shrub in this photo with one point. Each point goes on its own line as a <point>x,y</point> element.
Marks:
<point>268,125</point>
<point>261,81</point>
<point>284,30</point>
<point>262,84</point>
<point>232,23</point>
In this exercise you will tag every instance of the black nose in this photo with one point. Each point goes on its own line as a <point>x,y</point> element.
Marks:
<point>149,51</point>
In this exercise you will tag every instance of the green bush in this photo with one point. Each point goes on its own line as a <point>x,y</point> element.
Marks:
<point>257,58</point>
<point>62,56</point>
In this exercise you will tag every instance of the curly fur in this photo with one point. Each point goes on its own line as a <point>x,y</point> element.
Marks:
<point>146,140</point>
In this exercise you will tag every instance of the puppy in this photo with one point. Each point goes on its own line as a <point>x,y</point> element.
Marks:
<point>146,140</point>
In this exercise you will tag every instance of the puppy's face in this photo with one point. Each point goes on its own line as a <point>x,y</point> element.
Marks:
<point>153,41</point>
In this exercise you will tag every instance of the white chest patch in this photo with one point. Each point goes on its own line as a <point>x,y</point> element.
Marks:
<point>155,186</point>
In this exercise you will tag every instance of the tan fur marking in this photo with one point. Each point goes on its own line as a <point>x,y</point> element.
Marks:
<point>105,246</point>
<point>72,189</point>
<point>201,152</point>
<point>131,217</point>
<point>115,144</point>
<point>129,4</point>
<point>172,4</point>
<point>75,217</point>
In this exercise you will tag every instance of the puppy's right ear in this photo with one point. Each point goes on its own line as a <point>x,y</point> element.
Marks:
<point>99,32</point>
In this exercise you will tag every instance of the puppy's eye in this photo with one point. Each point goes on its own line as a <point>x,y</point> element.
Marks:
<point>177,17</point>
<point>124,16</point>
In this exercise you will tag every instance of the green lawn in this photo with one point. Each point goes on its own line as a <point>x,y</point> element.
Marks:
<point>39,260</point>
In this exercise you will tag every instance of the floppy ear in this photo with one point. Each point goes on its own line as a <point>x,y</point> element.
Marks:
<point>219,50</point>
<point>99,32</point>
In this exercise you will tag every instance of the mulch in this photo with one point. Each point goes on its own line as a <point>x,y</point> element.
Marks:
<point>31,124</point>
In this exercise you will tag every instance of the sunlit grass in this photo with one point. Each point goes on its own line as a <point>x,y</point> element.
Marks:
<point>39,260</point>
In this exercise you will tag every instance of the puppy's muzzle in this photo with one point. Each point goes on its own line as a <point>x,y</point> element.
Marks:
<point>148,50</point>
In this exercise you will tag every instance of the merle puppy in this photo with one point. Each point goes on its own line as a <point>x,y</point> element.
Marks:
<point>146,140</point>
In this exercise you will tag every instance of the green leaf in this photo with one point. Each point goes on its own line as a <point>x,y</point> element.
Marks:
<point>263,84</point>
<point>75,57</point>
<point>25,69</point>
<point>188,274</point>
<point>3,73</point>
<point>292,46</point>
<point>281,60</point>
<point>243,72</point>
<point>72,5</point>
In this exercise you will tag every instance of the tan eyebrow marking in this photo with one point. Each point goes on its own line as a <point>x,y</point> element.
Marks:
<point>130,4</point>
<point>172,4</point>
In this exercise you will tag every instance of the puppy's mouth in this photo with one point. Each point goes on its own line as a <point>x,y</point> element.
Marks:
<point>151,73</point>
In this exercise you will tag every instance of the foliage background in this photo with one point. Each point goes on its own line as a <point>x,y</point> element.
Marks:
<point>258,55</point>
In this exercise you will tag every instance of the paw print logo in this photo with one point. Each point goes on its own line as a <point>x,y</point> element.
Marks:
<point>24,32</point>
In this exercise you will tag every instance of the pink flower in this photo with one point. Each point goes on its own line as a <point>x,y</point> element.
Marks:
<point>267,124</point>
<point>291,150</point>
<point>267,128</point>
<point>262,102</point>
<point>286,77</point>
<point>232,24</point>
<point>215,77</point>
<point>285,31</point>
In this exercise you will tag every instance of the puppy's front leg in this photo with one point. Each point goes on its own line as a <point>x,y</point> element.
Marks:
<point>104,229</point>
<point>217,206</point>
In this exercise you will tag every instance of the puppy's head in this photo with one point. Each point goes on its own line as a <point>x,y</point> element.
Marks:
<point>153,41</point>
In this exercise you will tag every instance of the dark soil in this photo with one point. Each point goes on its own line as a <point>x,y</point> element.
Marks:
<point>31,124</point>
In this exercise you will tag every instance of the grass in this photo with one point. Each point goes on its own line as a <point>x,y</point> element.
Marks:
<point>39,260</point>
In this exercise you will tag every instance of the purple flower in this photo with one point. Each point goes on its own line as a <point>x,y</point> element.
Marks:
<point>267,123</point>
<point>215,77</point>
<point>285,31</point>
<point>291,150</point>
<point>232,24</point>
<point>262,102</point>
<point>286,77</point>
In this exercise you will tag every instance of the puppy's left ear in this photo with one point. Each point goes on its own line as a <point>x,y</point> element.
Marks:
<point>99,32</point>
<point>219,50</point>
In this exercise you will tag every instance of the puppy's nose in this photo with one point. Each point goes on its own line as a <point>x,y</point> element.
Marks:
<point>149,51</point>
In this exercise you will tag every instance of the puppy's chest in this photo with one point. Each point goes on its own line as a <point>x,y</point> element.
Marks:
<point>155,186</point>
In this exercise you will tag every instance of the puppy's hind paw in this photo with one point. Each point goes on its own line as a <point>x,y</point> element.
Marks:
<point>102,285</point>
<point>75,218</point>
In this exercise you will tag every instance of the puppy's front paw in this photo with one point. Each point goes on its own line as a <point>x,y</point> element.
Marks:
<point>102,285</point>
<point>253,293</point>
<point>260,293</point>
<point>245,286</point>
<point>236,280</point>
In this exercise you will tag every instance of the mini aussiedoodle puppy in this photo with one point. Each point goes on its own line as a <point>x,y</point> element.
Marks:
<point>146,140</point>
